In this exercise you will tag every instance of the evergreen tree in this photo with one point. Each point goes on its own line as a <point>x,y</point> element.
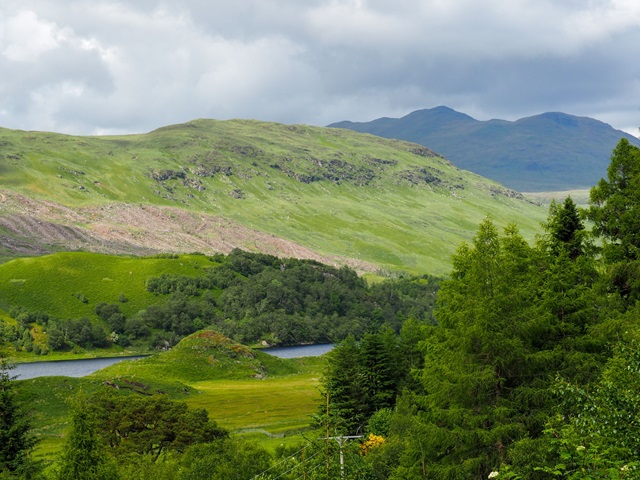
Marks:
<point>615,213</point>
<point>84,457</point>
<point>345,386</point>
<point>615,204</point>
<point>489,363</point>
<point>361,379</point>
<point>565,228</point>
<point>16,441</point>
<point>382,366</point>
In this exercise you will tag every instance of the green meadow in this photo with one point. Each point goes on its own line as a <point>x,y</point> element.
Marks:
<point>252,394</point>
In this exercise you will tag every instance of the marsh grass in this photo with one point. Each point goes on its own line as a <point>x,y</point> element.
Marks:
<point>253,394</point>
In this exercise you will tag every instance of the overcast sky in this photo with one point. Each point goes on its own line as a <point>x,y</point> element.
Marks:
<point>129,66</point>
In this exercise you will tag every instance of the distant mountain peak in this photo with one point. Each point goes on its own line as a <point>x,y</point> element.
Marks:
<point>551,151</point>
<point>441,111</point>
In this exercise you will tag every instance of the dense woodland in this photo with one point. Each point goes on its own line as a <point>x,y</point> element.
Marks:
<point>250,297</point>
<point>528,368</point>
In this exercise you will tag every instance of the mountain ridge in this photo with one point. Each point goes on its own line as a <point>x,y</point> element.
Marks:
<point>552,151</point>
<point>208,185</point>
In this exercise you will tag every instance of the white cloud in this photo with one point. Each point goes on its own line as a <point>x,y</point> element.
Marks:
<point>26,37</point>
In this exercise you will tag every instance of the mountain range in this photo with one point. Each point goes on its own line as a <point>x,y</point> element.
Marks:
<point>548,152</point>
<point>334,195</point>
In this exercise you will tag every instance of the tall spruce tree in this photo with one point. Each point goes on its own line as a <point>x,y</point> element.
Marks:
<point>490,361</point>
<point>344,389</point>
<point>361,378</point>
<point>379,360</point>
<point>16,440</point>
<point>565,228</point>
<point>615,213</point>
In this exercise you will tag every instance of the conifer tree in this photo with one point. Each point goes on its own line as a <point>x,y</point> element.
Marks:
<point>84,457</point>
<point>380,370</point>
<point>565,228</point>
<point>490,361</point>
<point>615,213</point>
<point>344,384</point>
<point>615,204</point>
<point>16,440</point>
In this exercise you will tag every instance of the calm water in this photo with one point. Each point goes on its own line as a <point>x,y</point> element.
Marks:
<point>67,368</point>
<point>84,367</point>
<point>299,351</point>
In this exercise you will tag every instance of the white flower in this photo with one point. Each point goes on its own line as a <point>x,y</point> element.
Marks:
<point>624,468</point>
<point>580,448</point>
<point>493,474</point>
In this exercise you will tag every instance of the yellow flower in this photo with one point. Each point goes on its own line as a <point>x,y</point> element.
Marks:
<point>373,441</point>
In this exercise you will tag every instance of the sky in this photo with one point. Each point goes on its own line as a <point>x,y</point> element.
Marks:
<point>112,67</point>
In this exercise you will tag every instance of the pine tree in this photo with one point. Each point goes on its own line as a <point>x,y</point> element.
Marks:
<point>84,457</point>
<point>16,440</point>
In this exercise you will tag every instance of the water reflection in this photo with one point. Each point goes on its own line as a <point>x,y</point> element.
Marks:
<point>84,367</point>
<point>299,350</point>
<point>67,368</point>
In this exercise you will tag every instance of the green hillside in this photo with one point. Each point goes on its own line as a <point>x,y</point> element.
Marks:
<point>68,304</point>
<point>210,186</point>
<point>54,283</point>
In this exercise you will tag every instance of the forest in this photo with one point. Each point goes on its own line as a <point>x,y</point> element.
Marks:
<point>253,298</point>
<point>528,366</point>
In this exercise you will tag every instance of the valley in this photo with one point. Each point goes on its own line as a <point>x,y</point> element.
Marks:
<point>196,242</point>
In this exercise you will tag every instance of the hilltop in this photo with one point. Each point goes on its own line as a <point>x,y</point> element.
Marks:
<point>332,195</point>
<point>235,383</point>
<point>552,151</point>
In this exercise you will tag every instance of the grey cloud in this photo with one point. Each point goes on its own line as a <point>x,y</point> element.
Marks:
<point>131,66</point>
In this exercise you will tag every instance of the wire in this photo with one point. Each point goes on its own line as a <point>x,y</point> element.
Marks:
<point>294,467</point>
<point>276,464</point>
<point>309,471</point>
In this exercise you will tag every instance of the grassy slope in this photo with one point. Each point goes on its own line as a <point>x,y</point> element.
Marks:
<point>580,197</point>
<point>50,283</point>
<point>390,221</point>
<point>207,371</point>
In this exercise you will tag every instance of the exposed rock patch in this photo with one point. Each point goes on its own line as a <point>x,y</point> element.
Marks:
<point>36,227</point>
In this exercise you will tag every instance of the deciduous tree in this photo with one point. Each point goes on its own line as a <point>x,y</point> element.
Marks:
<point>151,425</point>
